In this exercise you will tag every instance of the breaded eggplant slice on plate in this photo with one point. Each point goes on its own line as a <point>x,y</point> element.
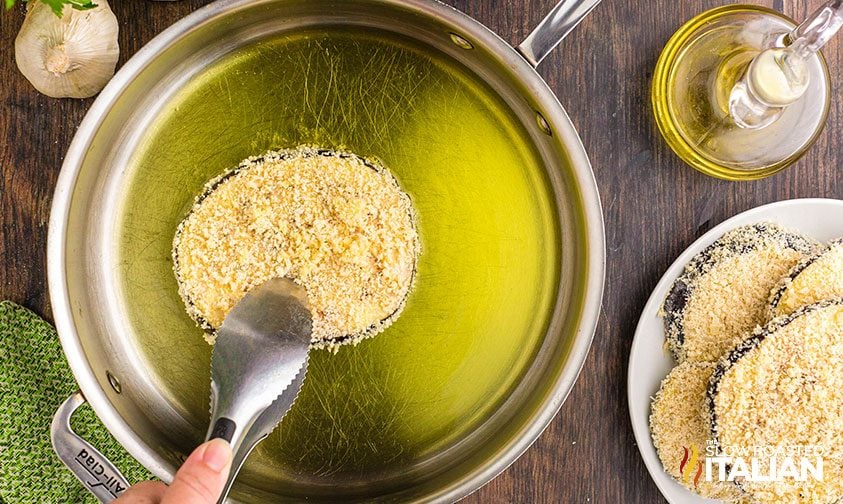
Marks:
<point>679,425</point>
<point>782,390</point>
<point>723,293</point>
<point>815,279</point>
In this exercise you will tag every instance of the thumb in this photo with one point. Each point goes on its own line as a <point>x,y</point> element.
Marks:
<point>201,478</point>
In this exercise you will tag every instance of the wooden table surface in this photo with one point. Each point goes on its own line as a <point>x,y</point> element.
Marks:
<point>654,206</point>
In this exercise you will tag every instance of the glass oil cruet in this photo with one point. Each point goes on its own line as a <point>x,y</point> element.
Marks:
<point>740,92</point>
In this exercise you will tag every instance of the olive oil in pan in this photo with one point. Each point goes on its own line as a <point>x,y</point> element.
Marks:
<point>487,273</point>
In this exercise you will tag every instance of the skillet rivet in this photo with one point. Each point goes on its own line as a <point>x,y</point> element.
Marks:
<point>543,125</point>
<point>114,382</point>
<point>461,42</point>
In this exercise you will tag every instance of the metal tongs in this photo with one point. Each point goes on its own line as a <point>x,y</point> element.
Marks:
<point>258,366</point>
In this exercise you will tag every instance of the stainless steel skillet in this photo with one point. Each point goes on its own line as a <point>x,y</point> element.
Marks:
<point>452,409</point>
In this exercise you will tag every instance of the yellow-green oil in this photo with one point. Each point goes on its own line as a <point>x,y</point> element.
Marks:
<point>487,274</point>
<point>693,79</point>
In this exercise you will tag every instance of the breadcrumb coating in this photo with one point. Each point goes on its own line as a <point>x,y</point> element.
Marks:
<point>679,426</point>
<point>724,291</point>
<point>811,281</point>
<point>335,223</point>
<point>783,388</point>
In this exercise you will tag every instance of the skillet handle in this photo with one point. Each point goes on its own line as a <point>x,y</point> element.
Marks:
<point>89,466</point>
<point>554,27</point>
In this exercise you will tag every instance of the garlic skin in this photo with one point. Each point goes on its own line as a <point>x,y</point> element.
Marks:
<point>69,57</point>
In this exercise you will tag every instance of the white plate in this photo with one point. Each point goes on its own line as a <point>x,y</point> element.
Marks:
<point>649,363</point>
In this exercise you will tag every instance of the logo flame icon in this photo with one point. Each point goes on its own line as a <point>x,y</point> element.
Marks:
<point>690,461</point>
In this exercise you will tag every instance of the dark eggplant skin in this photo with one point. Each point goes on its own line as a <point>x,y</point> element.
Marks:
<point>739,241</point>
<point>778,293</point>
<point>744,349</point>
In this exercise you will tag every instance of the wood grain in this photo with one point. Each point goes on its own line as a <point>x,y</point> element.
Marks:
<point>654,206</point>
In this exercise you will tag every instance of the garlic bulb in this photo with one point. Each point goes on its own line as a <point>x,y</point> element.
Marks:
<point>69,56</point>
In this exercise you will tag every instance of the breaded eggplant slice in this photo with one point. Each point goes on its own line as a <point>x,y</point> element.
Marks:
<point>815,279</point>
<point>782,389</point>
<point>679,425</point>
<point>724,291</point>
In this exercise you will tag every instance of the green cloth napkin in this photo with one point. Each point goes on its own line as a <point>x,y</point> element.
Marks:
<point>34,380</point>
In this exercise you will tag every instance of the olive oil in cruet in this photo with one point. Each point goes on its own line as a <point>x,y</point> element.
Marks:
<point>740,92</point>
